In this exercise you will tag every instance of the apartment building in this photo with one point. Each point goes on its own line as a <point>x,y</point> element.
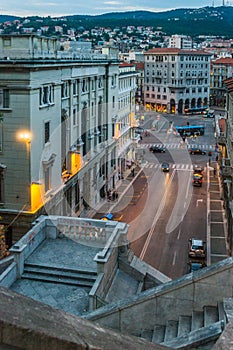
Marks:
<point>181,42</point>
<point>225,140</point>
<point>221,69</point>
<point>59,121</point>
<point>176,79</point>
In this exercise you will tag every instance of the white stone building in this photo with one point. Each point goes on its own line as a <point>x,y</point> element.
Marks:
<point>59,125</point>
<point>180,42</point>
<point>176,79</point>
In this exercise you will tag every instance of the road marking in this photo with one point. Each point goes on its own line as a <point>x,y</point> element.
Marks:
<point>199,201</point>
<point>158,213</point>
<point>178,237</point>
<point>174,259</point>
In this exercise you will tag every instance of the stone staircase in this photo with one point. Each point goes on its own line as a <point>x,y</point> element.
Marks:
<point>199,331</point>
<point>70,276</point>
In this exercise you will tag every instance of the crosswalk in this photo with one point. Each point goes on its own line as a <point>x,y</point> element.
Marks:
<point>185,167</point>
<point>177,146</point>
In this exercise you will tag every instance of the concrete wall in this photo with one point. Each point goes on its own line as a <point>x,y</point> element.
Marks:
<point>168,301</point>
<point>28,324</point>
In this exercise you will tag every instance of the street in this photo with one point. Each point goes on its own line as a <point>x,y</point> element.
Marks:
<point>163,209</point>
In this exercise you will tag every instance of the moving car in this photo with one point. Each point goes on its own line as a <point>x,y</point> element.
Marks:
<point>195,150</point>
<point>157,149</point>
<point>197,179</point>
<point>165,167</point>
<point>197,248</point>
<point>198,169</point>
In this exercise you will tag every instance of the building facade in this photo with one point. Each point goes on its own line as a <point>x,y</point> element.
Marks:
<point>225,140</point>
<point>176,79</point>
<point>221,69</point>
<point>59,130</point>
<point>181,42</point>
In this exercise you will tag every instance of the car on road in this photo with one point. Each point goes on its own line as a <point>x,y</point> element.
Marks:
<point>157,149</point>
<point>165,167</point>
<point>198,169</point>
<point>197,180</point>
<point>197,248</point>
<point>195,265</point>
<point>195,150</point>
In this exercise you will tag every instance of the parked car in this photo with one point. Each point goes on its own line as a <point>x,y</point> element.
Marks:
<point>197,248</point>
<point>157,149</point>
<point>194,150</point>
<point>165,167</point>
<point>195,265</point>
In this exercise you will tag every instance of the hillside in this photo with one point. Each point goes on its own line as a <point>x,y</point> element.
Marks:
<point>193,22</point>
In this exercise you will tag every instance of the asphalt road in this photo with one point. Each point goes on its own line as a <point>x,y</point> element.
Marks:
<point>164,210</point>
<point>170,210</point>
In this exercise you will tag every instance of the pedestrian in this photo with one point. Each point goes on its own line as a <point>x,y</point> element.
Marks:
<point>132,172</point>
<point>214,172</point>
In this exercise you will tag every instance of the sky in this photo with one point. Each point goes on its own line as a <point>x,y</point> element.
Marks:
<point>57,8</point>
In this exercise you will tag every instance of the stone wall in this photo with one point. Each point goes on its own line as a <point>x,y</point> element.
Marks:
<point>168,301</point>
<point>31,325</point>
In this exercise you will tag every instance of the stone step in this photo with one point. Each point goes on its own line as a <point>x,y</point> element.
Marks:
<point>184,325</point>
<point>59,268</point>
<point>55,274</point>
<point>48,271</point>
<point>197,320</point>
<point>221,311</point>
<point>197,337</point>
<point>171,330</point>
<point>147,334</point>
<point>56,279</point>
<point>210,315</point>
<point>158,334</point>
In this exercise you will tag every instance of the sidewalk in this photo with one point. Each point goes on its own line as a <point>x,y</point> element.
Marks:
<point>121,188</point>
<point>217,249</point>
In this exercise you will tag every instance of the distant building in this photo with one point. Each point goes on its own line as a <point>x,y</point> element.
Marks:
<point>180,42</point>
<point>176,79</point>
<point>221,69</point>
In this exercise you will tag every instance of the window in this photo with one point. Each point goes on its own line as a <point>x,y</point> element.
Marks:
<point>113,101</point>
<point>46,132</point>
<point>1,133</point>
<point>2,169</point>
<point>47,179</point>
<point>47,171</point>
<point>64,89</point>
<point>74,116</point>
<point>75,87</point>
<point>4,98</point>
<point>100,83</point>
<point>7,42</point>
<point>46,95</point>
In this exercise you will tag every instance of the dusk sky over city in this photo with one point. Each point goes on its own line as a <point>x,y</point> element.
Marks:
<point>92,7</point>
